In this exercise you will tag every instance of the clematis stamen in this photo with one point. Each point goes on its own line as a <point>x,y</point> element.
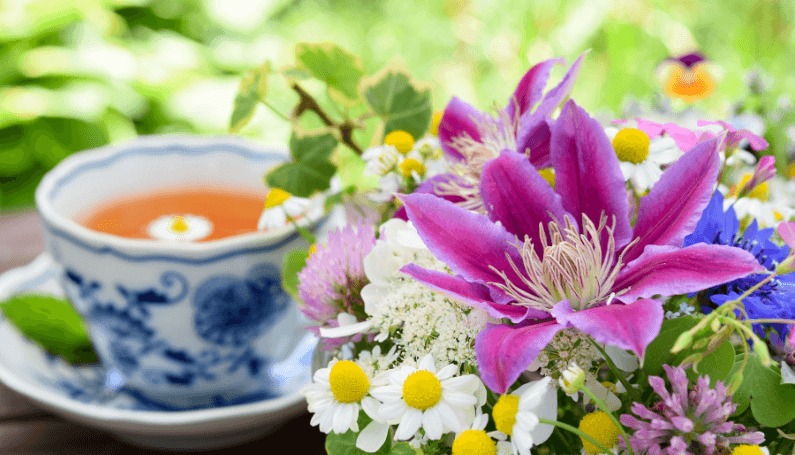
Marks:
<point>495,136</point>
<point>574,266</point>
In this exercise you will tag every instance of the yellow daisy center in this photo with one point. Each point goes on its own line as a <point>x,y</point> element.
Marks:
<point>401,140</point>
<point>312,250</point>
<point>747,450</point>
<point>761,192</point>
<point>504,413</point>
<point>474,442</point>
<point>631,145</point>
<point>437,119</point>
<point>549,176</point>
<point>410,164</point>
<point>348,382</point>
<point>178,224</point>
<point>422,390</point>
<point>599,426</point>
<point>276,197</point>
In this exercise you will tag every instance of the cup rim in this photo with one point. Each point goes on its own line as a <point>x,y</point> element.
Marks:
<point>55,221</point>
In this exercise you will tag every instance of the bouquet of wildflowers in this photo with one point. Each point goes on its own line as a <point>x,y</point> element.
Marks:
<point>532,281</point>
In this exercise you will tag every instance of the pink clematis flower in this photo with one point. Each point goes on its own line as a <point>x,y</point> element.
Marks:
<point>470,138</point>
<point>551,259</point>
<point>686,139</point>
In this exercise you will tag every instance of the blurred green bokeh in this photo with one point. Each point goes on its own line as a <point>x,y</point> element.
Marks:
<point>76,74</point>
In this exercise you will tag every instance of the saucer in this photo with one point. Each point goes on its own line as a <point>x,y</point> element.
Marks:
<point>81,393</point>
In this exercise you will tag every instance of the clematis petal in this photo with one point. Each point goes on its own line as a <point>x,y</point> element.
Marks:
<point>668,270</point>
<point>510,178</point>
<point>530,88</point>
<point>631,327</point>
<point>458,119</point>
<point>429,187</point>
<point>503,352</point>
<point>685,139</point>
<point>533,139</point>
<point>474,294</point>
<point>555,97</point>
<point>469,243</point>
<point>675,203</point>
<point>587,174</point>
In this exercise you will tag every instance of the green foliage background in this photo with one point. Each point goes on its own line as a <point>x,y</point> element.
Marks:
<point>76,74</point>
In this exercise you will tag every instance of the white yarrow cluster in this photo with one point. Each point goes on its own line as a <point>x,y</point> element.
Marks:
<point>374,363</point>
<point>418,320</point>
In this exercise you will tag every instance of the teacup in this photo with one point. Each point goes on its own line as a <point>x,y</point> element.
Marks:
<point>181,324</point>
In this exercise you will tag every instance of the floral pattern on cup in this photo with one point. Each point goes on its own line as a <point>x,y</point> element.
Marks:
<point>231,311</point>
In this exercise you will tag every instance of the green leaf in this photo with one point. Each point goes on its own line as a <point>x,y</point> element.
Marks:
<point>338,198</point>
<point>717,364</point>
<point>293,262</point>
<point>345,443</point>
<point>51,323</point>
<point>659,350</point>
<point>772,403</point>
<point>351,171</point>
<point>338,68</point>
<point>403,448</point>
<point>400,101</point>
<point>253,89</point>
<point>311,149</point>
<point>302,179</point>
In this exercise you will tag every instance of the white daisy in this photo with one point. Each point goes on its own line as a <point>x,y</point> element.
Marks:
<point>642,153</point>
<point>279,204</point>
<point>423,398</point>
<point>768,203</point>
<point>516,415</point>
<point>476,441</point>
<point>337,395</point>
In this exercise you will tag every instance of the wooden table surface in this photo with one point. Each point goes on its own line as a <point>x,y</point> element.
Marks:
<point>27,430</point>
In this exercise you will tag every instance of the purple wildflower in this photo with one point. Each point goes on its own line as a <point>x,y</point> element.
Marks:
<point>332,280</point>
<point>691,420</point>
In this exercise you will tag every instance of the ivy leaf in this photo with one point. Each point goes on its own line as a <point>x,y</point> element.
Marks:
<point>302,179</point>
<point>253,89</point>
<point>335,66</point>
<point>293,262</point>
<point>772,403</point>
<point>401,102</point>
<point>312,148</point>
<point>345,443</point>
<point>311,171</point>
<point>51,323</point>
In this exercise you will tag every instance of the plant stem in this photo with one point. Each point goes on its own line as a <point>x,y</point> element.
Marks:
<point>302,231</point>
<point>619,374</point>
<point>576,431</point>
<point>306,102</point>
<point>604,408</point>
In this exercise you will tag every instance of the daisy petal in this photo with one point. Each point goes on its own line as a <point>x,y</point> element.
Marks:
<point>409,424</point>
<point>392,410</point>
<point>372,437</point>
<point>432,424</point>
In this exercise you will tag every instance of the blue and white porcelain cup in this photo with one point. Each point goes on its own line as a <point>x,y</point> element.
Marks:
<point>183,325</point>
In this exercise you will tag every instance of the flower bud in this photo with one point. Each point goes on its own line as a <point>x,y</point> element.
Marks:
<point>684,340</point>
<point>760,349</point>
<point>572,379</point>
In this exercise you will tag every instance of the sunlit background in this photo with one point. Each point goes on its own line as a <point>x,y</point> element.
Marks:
<point>76,74</point>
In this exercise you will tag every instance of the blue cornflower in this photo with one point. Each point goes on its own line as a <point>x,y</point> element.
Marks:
<point>774,300</point>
